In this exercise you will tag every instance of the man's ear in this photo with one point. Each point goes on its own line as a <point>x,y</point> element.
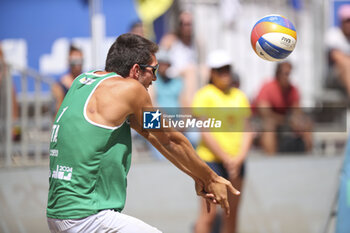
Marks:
<point>135,72</point>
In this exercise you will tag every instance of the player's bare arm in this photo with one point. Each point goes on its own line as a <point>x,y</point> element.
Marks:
<point>111,105</point>
<point>175,147</point>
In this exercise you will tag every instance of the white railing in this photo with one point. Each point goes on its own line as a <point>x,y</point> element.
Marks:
<point>25,140</point>
<point>36,113</point>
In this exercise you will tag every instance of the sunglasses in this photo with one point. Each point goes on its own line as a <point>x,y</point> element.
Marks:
<point>76,62</point>
<point>154,68</point>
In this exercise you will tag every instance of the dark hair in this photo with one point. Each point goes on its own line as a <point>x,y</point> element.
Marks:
<point>135,24</point>
<point>180,22</point>
<point>127,50</point>
<point>218,69</point>
<point>280,65</point>
<point>73,48</point>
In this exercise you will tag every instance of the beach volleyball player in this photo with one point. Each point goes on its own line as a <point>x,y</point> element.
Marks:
<point>90,147</point>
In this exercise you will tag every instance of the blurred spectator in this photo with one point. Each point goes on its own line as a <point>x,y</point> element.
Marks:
<point>278,106</point>
<point>75,61</point>
<point>165,92</point>
<point>183,55</point>
<point>181,44</point>
<point>224,152</point>
<point>15,108</point>
<point>236,81</point>
<point>137,28</point>
<point>338,44</point>
<point>3,73</point>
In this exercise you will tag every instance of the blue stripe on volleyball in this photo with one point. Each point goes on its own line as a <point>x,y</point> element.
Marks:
<point>277,19</point>
<point>273,50</point>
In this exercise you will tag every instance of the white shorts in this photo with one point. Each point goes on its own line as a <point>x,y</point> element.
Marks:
<point>103,221</point>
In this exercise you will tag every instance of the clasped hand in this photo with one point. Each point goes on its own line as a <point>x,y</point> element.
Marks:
<point>216,192</point>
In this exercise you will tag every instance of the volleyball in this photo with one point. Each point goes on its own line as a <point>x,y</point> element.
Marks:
<point>273,37</point>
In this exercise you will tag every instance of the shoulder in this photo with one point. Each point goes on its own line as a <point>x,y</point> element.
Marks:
<point>207,89</point>
<point>294,89</point>
<point>205,96</point>
<point>238,92</point>
<point>270,85</point>
<point>267,86</point>
<point>267,91</point>
<point>333,32</point>
<point>168,40</point>
<point>134,93</point>
<point>127,87</point>
<point>65,78</point>
<point>334,37</point>
<point>123,93</point>
<point>67,75</point>
<point>240,96</point>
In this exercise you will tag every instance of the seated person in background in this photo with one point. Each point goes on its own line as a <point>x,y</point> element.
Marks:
<point>166,91</point>
<point>75,61</point>
<point>181,44</point>
<point>277,104</point>
<point>338,45</point>
<point>137,28</point>
<point>183,52</point>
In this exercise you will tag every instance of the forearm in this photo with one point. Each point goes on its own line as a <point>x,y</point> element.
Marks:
<point>177,149</point>
<point>174,146</point>
<point>161,140</point>
<point>270,115</point>
<point>153,140</point>
<point>339,57</point>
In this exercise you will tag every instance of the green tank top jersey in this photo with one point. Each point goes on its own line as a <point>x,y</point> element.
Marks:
<point>89,162</point>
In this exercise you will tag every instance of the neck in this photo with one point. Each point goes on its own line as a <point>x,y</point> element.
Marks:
<point>224,90</point>
<point>186,40</point>
<point>284,87</point>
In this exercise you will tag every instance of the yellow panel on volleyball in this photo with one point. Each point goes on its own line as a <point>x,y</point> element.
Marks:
<point>273,27</point>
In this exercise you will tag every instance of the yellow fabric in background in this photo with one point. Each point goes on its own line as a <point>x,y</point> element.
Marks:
<point>211,97</point>
<point>150,10</point>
